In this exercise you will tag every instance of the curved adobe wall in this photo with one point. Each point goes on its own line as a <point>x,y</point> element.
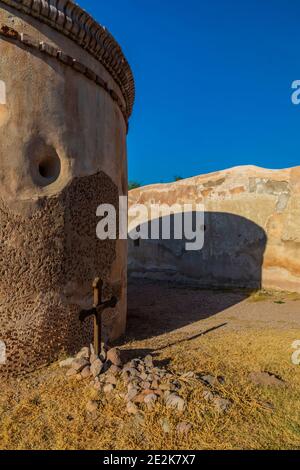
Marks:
<point>252,231</point>
<point>64,106</point>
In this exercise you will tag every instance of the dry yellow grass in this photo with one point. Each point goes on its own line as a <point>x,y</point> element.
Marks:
<point>275,296</point>
<point>47,411</point>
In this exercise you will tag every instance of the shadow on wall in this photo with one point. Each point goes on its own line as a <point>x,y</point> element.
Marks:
<point>232,257</point>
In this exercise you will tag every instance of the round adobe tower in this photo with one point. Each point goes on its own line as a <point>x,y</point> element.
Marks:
<point>66,94</point>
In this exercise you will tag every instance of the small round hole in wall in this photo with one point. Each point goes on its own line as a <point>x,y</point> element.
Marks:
<point>49,168</point>
<point>44,162</point>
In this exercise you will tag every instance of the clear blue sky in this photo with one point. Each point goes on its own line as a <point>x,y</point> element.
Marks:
<point>213,83</point>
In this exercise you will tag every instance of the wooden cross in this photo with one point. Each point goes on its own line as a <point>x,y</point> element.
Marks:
<point>97,310</point>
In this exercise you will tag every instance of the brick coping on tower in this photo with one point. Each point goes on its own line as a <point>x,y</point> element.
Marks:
<point>71,20</point>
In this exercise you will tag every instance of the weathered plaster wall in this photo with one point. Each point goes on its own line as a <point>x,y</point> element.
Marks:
<point>252,230</point>
<point>63,152</point>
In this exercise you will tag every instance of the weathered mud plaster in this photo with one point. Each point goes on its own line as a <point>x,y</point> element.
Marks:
<point>252,230</point>
<point>66,93</point>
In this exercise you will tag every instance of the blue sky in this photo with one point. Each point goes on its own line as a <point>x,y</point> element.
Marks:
<point>213,83</point>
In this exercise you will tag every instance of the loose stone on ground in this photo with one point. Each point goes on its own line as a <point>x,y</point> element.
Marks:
<point>146,384</point>
<point>266,379</point>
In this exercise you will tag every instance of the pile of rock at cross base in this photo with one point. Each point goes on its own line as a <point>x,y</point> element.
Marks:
<point>146,383</point>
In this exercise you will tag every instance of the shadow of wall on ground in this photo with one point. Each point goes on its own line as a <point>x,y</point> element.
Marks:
<point>170,287</point>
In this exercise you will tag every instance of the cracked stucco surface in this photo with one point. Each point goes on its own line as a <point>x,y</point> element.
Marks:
<point>253,230</point>
<point>49,252</point>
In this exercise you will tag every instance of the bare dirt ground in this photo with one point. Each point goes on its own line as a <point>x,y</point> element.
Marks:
<point>156,308</point>
<point>223,333</point>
